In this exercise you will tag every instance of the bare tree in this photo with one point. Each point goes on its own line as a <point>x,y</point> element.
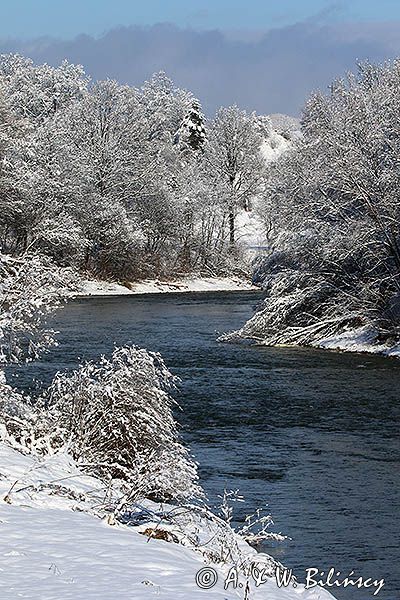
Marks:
<point>235,161</point>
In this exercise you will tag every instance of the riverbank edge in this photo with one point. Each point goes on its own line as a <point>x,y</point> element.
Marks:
<point>362,340</point>
<point>357,341</point>
<point>56,516</point>
<point>97,288</point>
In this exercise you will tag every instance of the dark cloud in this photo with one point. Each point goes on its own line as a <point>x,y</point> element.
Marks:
<point>273,72</point>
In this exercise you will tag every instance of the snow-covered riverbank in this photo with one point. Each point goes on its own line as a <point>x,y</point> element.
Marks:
<point>57,542</point>
<point>361,340</point>
<point>156,286</point>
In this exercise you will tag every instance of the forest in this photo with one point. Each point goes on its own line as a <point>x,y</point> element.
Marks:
<point>123,183</point>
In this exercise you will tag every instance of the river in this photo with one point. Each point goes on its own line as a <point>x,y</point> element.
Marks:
<point>311,433</point>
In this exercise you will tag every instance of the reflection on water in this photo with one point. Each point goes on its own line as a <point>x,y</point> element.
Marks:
<point>313,433</point>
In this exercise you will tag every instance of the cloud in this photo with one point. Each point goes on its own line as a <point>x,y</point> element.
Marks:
<point>329,12</point>
<point>200,15</point>
<point>270,72</point>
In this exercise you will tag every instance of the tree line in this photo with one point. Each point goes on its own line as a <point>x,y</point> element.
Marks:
<point>332,207</point>
<point>122,182</point>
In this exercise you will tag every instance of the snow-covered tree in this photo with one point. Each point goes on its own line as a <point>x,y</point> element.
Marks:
<point>192,132</point>
<point>31,289</point>
<point>6,123</point>
<point>164,107</point>
<point>234,159</point>
<point>29,177</point>
<point>36,93</point>
<point>99,164</point>
<point>333,201</point>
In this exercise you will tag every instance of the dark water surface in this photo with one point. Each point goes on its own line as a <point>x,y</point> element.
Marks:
<point>314,434</point>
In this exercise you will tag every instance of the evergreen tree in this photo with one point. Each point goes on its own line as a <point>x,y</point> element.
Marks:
<point>192,132</point>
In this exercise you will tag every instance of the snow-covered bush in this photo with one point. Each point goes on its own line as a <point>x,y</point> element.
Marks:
<point>16,415</point>
<point>61,238</point>
<point>116,416</point>
<point>207,531</point>
<point>114,240</point>
<point>31,288</point>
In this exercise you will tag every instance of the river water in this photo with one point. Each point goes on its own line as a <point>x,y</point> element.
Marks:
<point>313,434</point>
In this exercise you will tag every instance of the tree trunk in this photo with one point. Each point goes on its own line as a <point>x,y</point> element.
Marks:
<point>231,218</point>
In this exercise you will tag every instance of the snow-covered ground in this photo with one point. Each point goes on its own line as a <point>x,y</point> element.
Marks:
<point>156,286</point>
<point>362,339</point>
<point>284,131</point>
<point>57,543</point>
<point>274,146</point>
<point>250,232</point>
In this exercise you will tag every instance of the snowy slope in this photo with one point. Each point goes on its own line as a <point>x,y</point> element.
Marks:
<point>274,146</point>
<point>56,545</point>
<point>284,131</point>
<point>250,230</point>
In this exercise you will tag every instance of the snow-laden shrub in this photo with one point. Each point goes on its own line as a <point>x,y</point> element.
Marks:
<point>31,288</point>
<point>61,238</point>
<point>21,423</point>
<point>300,309</point>
<point>116,416</point>
<point>209,531</point>
<point>114,240</point>
<point>16,416</point>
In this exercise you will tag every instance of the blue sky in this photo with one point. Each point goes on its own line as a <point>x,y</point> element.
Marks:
<point>264,55</point>
<point>62,18</point>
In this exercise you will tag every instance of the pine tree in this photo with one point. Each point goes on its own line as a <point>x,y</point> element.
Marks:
<point>192,132</point>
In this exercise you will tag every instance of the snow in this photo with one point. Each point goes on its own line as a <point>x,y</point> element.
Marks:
<point>274,146</point>
<point>284,131</point>
<point>157,286</point>
<point>250,231</point>
<point>56,545</point>
<point>362,339</point>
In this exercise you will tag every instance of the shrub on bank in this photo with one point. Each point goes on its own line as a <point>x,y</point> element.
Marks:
<point>116,416</point>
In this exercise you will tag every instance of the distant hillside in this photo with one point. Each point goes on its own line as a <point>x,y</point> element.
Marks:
<point>285,125</point>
